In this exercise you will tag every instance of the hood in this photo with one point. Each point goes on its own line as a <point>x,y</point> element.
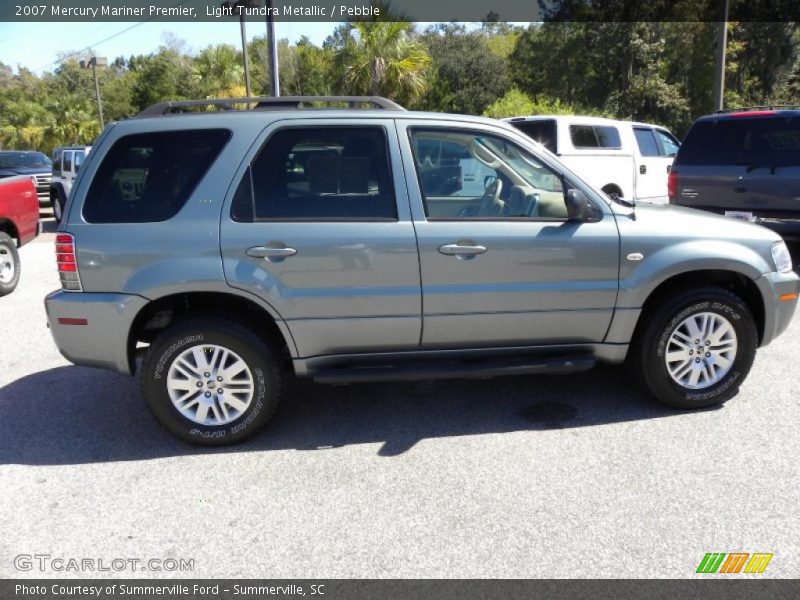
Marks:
<point>7,171</point>
<point>674,221</point>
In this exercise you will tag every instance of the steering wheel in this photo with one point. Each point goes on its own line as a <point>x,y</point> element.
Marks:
<point>491,205</point>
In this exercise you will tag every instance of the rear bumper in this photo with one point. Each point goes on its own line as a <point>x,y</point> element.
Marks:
<point>102,341</point>
<point>778,313</point>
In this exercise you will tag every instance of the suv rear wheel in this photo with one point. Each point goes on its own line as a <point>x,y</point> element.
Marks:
<point>696,349</point>
<point>9,265</point>
<point>211,381</point>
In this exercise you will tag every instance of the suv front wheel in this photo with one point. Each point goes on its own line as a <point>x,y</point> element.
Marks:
<point>696,349</point>
<point>211,381</point>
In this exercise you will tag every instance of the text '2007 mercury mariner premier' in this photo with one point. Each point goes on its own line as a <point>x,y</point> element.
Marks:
<point>232,247</point>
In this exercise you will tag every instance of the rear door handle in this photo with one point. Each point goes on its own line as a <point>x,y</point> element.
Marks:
<point>461,250</point>
<point>269,252</point>
<point>642,169</point>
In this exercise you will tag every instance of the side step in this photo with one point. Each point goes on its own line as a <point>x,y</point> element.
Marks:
<point>476,368</point>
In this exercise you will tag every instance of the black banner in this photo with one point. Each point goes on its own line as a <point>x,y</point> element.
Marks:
<point>411,10</point>
<point>718,588</point>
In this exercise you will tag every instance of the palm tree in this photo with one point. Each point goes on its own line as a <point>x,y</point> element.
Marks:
<point>218,71</point>
<point>381,58</point>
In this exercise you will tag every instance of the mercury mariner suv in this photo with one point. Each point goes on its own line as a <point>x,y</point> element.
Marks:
<point>219,246</point>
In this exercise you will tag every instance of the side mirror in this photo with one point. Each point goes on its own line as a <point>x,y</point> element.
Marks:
<point>578,205</point>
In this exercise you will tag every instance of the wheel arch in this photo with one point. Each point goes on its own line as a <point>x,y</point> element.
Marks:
<point>161,312</point>
<point>8,227</point>
<point>734,281</point>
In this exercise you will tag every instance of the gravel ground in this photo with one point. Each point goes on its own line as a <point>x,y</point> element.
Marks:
<point>550,476</point>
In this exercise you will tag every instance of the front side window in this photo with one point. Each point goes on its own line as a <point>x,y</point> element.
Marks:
<point>68,161</point>
<point>543,131</point>
<point>148,177</point>
<point>57,161</point>
<point>487,177</point>
<point>595,136</point>
<point>79,156</point>
<point>319,173</point>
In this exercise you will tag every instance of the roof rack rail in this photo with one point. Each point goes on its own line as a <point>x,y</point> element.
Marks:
<point>269,103</point>
<point>765,107</point>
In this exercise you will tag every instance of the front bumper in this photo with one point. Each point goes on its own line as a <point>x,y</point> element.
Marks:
<point>778,313</point>
<point>102,341</point>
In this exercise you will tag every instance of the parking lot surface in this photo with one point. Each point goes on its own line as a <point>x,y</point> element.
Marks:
<point>552,476</point>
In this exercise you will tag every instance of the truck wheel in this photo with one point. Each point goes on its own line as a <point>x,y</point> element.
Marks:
<point>58,206</point>
<point>696,349</point>
<point>211,381</point>
<point>9,265</point>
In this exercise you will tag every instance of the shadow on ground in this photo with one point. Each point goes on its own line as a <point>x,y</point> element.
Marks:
<point>76,415</point>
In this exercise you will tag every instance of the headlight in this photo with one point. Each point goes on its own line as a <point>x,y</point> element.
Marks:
<point>781,257</point>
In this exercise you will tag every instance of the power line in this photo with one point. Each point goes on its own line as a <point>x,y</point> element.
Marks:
<point>103,41</point>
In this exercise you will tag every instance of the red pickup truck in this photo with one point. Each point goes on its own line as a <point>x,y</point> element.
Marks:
<point>19,224</point>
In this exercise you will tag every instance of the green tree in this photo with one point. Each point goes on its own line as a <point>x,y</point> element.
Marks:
<point>466,76</point>
<point>382,58</point>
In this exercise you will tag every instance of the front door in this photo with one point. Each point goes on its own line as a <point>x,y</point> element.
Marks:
<point>320,229</point>
<point>501,263</point>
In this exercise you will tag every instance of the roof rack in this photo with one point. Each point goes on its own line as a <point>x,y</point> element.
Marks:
<point>766,107</point>
<point>269,103</point>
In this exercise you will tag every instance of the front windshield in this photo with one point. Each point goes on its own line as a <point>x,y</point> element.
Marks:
<point>14,160</point>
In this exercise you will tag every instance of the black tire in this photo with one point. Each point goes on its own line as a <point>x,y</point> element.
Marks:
<point>9,260</point>
<point>261,359</point>
<point>647,354</point>
<point>57,203</point>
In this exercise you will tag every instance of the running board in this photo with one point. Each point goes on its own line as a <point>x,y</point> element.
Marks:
<point>488,367</point>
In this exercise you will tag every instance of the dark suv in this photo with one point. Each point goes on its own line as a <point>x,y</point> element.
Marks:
<point>745,164</point>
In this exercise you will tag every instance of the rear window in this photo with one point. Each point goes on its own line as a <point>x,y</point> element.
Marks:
<point>149,177</point>
<point>594,136</point>
<point>743,141</point>
<point>543,131</point>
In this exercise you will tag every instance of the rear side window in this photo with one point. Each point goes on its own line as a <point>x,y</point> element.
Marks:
<point>646,141</point>
<point>79,156</point>
<point>317,174</point>
<point>773,141</point>
<point>594,136</point>
<point>543,131</point>
<point>149,177</point>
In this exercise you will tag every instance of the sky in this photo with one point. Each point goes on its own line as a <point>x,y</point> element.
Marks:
<point>36,45</point>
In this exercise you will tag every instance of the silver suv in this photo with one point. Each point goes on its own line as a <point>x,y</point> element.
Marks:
<point>67,161</point>
<point>232,248</point>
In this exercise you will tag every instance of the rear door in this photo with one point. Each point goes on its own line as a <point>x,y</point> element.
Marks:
<point>319,227</point>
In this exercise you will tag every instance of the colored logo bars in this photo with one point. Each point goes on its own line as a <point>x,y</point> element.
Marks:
<point>736,562</point>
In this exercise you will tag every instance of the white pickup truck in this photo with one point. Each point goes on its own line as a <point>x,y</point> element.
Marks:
<point>623,158</point>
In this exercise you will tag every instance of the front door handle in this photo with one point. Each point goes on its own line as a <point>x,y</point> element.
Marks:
<point>271,252</point>
<point>461,249</point>
<point>642,169</point>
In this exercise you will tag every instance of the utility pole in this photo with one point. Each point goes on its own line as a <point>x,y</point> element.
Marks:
<point>95,62</point>
<point>245,56</point>
<point>272,44</point>
<point>719,66</point>
<point>232,5</point>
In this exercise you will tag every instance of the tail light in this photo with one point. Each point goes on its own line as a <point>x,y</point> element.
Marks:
<point>672,185</point>
<point>67,263</point>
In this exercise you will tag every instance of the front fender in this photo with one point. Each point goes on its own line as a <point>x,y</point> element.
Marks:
<point>638,279</point>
